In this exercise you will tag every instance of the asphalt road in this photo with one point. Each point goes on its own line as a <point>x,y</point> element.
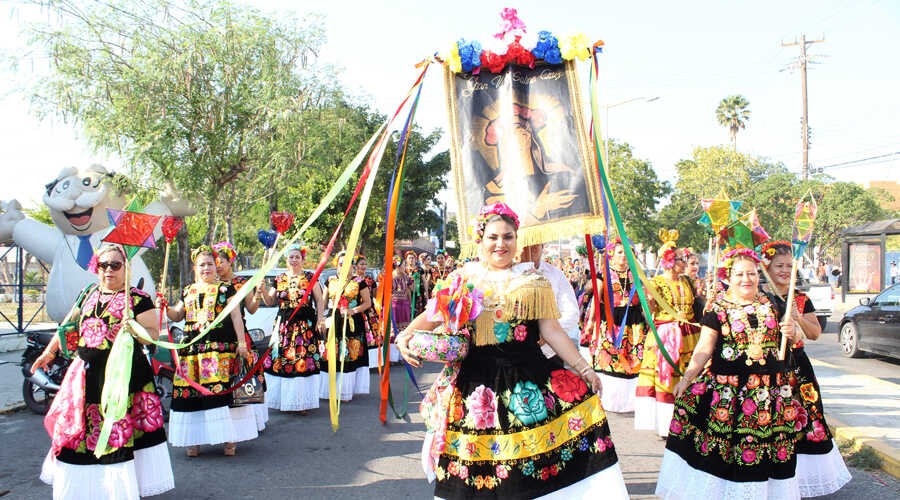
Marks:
<point>300,457</point>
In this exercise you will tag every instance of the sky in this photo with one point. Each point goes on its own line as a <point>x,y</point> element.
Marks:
<point>689,55</point>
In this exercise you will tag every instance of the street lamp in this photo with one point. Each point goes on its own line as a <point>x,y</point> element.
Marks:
<point>606,123</point>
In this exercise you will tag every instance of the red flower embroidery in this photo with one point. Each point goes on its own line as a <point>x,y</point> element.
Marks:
<point>568,386</point>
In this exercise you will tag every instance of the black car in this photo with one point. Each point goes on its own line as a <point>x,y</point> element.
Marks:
<point>873,326</point>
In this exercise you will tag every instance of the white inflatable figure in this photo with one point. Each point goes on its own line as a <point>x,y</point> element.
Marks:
<point>77,199</point>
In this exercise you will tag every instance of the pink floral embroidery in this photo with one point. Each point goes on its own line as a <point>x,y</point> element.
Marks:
<point>90,302</point>
<point>117,305</point>
<point>146,411</point>
<point>675,427</point>
<point>748,407</point>
<point>208,367</point>
<point>698,389</point>
<point>482,408</point>
<point>501,471</point>
<point>748,456</point>
<point>112,332</point>
<point>520,333</point>
<point>576,423</point>
<point>95,420</point>
<point>92,331</point>
<point>121,432</point>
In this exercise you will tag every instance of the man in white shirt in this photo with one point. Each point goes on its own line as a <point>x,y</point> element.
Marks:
<point>562,289</point>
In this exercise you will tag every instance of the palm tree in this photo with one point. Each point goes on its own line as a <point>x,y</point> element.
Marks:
<point>733,114</point>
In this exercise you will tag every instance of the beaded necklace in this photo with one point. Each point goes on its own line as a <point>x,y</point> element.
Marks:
<point>744,333</point>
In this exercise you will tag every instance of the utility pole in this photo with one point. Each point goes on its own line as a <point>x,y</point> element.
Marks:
<point>804,120</point>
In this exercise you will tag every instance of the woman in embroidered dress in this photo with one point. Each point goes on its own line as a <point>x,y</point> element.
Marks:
<point>618,366</point>
<point>350,332</point>
<point>204,417</point>
<point>137,459</point>
<point>225,257</point>
<point>654,397</point>
<point>371,319</point>
<point>401,295</point>
<point>292,371</point>
<point>418,292</point>
<point>505,422</point>
<point>735,423</point>
<point>820,467</point>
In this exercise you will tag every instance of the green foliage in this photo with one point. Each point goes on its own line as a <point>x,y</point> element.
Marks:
<point>40,214</point>
<point>732,113</point>
<point>637,191</point>
<point>841,205</point>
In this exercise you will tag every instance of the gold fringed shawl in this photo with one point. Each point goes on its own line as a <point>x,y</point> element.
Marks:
<point>528,296</point>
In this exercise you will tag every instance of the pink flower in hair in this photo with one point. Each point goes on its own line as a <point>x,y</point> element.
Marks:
<point>92,265</point>
<point>486,212</point>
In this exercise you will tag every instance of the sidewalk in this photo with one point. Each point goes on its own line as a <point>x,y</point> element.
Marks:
<point>864,409</point>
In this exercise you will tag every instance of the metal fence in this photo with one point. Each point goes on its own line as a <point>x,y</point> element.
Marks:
<point>16,316</point>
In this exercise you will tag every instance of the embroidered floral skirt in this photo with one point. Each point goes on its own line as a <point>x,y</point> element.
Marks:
<point>298,351</point>
<point>820,468</point>
<point>656,379</point>
<point>210,365</point>
<point>739,423</point>
<point>623,361</point>
<point>517,428</point>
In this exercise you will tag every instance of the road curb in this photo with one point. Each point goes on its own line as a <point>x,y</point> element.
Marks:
<point>12,408</point>
<point>890,456</point>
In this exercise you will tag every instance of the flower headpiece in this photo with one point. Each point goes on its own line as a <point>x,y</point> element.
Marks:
<point>225,249</point>
<point>667,251</point>
<point>488,211</point>
<point>611,246</point>
<point>397,260</point>
<point>773,248</point>
<point>358,258</point>
<point>730,256</point>
<point>203,249</point>
<point>298,247</point>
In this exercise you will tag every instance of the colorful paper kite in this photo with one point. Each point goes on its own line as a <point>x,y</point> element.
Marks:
<point>719,211</point>
<point>804,219</point>
<point>132,230</point>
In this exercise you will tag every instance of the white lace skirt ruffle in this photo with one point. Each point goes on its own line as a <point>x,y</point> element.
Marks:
<point>292,394</point>
<point>618,393</point>
<point>261,411</point>
<point>652,415</point>
<point>213,426</point>
<point>355,382</point>
<point>820,475</point>
<point>376,351</point>
<point>150,473</point>
<point>678,480</point>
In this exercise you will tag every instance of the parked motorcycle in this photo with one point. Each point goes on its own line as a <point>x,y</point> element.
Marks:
<point>39,388</point>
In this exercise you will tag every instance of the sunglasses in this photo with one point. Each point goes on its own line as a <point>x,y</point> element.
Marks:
<point>114,265</point>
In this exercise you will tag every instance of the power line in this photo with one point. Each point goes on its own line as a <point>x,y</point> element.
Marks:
<point>861,160</point>
<point>802,62</point>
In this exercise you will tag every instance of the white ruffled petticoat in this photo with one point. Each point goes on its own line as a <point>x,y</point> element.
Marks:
<point>678,480</point>
<point>292,394</point>
<point>261,412</point>
<point>213,426</point>
<point>820,475</point>
<point>375,352</point>
<point>150,473</point>
<point>652,415</point>
<point>618,393</point>
<point>355,382</point>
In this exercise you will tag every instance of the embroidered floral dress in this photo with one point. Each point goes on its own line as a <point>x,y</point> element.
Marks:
<point>350,331</point>
<point>820,468</point>
<point>208,362</point>
<point>400,299</point>
<point>623,361</point>
<point>371,321</point>
<point>657,378</point>
<point>298,350</point>
<point>75,432</point>
<point>509,424</point>
<point>734,429</point>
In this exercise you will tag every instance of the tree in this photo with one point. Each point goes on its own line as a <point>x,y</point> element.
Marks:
<point>709,171</point>
<point>636,190</point>
<point>841,205</point>
<point>732,113</point>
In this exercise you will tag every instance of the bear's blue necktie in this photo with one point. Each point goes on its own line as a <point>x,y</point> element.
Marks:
<point>85,252</point>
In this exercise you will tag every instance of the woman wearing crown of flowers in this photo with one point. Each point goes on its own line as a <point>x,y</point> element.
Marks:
<point>350,304</point>
<point>505,422</point>
<point>734,428</point>
<point>136,462</point>
<point>617,349</point>
<point>673,316</point>
<point>293,369</point>
<point>225,257</point>
<point>820,468</point>
<point>199,418</point>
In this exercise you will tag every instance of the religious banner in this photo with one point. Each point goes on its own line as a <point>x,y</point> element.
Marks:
<point>518,137</point>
